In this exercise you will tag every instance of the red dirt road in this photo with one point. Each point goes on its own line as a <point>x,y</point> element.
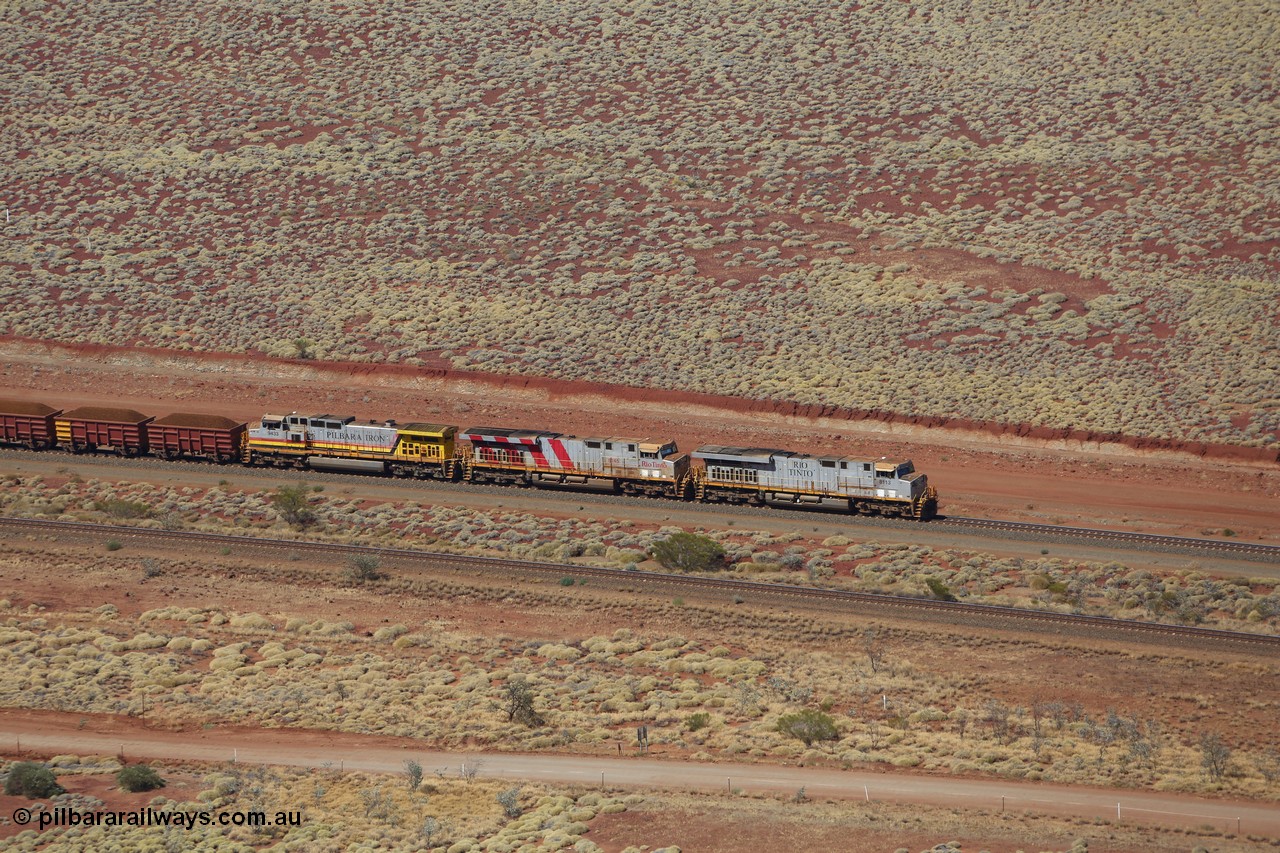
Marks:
<point>47,733</point>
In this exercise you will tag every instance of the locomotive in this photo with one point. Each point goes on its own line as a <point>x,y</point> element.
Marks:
<point>481,454</point>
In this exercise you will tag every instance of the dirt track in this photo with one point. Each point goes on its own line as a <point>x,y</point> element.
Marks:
<point>51,733</point>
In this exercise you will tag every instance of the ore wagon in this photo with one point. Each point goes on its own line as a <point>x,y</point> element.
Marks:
<point>27,424</point>
<point>93,428</point>
<point>183,435</point>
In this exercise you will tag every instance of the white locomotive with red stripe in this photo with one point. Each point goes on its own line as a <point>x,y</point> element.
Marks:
<point>635,466</point>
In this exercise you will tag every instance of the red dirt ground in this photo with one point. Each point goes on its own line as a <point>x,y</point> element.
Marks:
<point>979,471</point>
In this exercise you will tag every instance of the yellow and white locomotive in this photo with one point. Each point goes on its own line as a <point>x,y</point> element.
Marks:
<point>424,451</point>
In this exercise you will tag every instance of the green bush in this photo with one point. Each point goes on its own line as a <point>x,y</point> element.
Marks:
<point>119,508</point>
<point>29,779</point>
<point>138,777</point>
<point>689,552</point>
<point>939,589</point>
<point>114,545</point>
<point>364,567</point>
<point>808,726</point>
<point>293,506</point>
<point>698,721</point>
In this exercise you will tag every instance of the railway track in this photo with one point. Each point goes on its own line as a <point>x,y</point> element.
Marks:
<point>1270,553</point>
<point>759,590</point>
<point>1022,531</point>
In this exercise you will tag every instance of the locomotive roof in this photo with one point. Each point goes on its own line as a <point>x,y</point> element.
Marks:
<point>759,453</point>
<point>435,429</point>
<point>509,433</point>
<point>22,407</point>
<point>764,454</point>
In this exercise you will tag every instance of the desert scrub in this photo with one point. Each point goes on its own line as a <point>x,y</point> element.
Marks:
<point>1179,596</point>
<point>448,687</point>
<point>1133,222</point>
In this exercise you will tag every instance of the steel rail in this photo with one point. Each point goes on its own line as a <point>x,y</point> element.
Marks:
<point>1188,542</point>
<point>1030,530</point>
<point>502,565</point>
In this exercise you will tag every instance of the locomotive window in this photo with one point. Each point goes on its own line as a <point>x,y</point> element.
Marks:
<point>844,466</point>
<point>866,466</point>
<point>593,444</point>
<point>631,448</point>
<point>826,464</point>
<point>608,445</point>
<point>644,455</point>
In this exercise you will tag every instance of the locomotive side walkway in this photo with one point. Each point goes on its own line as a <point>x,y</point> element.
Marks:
<point>42,733</point>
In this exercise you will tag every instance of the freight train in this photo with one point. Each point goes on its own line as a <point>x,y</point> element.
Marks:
<point>481,454</point>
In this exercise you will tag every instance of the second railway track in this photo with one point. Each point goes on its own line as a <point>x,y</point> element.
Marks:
<point>759,591</point>
<point>1270,553</point>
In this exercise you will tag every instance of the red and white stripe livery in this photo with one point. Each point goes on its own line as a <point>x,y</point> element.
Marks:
<point>530,455</point>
